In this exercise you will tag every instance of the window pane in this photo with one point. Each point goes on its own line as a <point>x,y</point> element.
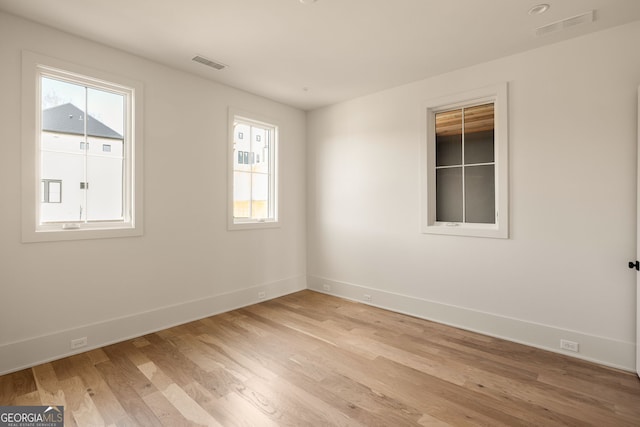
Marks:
<point>105,127</point>
<point>82,142</point>
<point>480,194</point>
<point>449,138</point>
<point>479,134</point>
<point>241,194</point>
<point>105,114</point>
<point>260,196</point>
<point>61,135</point>
<point>449,195</point>
<point>105,178</point>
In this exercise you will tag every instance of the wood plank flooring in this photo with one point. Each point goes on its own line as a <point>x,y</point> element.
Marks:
<point>309,359</point>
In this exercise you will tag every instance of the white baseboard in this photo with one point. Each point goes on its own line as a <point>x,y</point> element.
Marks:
<point>605,351</point>
<point>34,351</point>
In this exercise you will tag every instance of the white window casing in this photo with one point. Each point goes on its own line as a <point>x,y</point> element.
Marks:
<point>254,196</point>
<point>497,95</point>
<point>35,227</point>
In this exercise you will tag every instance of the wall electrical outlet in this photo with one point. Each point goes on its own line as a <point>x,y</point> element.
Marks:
<point>262,295</point>
<point>78,343</point>
<point>569,346</point>
<point>326,287</point>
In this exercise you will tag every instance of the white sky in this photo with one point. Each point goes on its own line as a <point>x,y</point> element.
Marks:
<point>105,106</point>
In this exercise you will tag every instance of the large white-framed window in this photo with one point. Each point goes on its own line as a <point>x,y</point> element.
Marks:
<point>253,171</point>
<point>464,164</point>
<point>70,113</point>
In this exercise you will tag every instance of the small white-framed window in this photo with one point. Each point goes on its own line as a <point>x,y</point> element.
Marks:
<point>51,191</point>
<point>464,164</point>
<point>253,192</point>
<point>66,106</point>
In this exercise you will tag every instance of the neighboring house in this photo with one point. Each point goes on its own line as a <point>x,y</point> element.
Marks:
<point>82,169</point>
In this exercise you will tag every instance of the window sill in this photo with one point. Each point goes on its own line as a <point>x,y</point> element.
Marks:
<point>253,225</point>
<point>55,233</point>
<point>467,230</point>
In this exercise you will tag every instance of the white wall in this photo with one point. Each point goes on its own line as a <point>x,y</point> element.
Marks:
<point>187,265</point>
<point>563,272</point>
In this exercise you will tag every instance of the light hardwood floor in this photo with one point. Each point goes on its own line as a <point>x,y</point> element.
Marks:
<point>312,359</point>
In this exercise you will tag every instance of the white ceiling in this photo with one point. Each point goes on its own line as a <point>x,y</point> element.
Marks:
<point>310,55</point>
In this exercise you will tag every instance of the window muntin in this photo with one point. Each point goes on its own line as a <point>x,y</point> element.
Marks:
<point>464,164</point>
<point>254,195</point>
<point>45,146</point>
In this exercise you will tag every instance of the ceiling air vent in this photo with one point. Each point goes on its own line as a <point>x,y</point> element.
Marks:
<point>209,63</point>
<point>566,23</point>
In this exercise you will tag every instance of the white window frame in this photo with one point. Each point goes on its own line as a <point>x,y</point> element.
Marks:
<point>275,190</point>
<point>498,95</point>
<point>34,66</point>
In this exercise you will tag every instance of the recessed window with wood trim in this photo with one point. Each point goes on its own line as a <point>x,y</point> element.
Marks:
<point>465,165</point>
